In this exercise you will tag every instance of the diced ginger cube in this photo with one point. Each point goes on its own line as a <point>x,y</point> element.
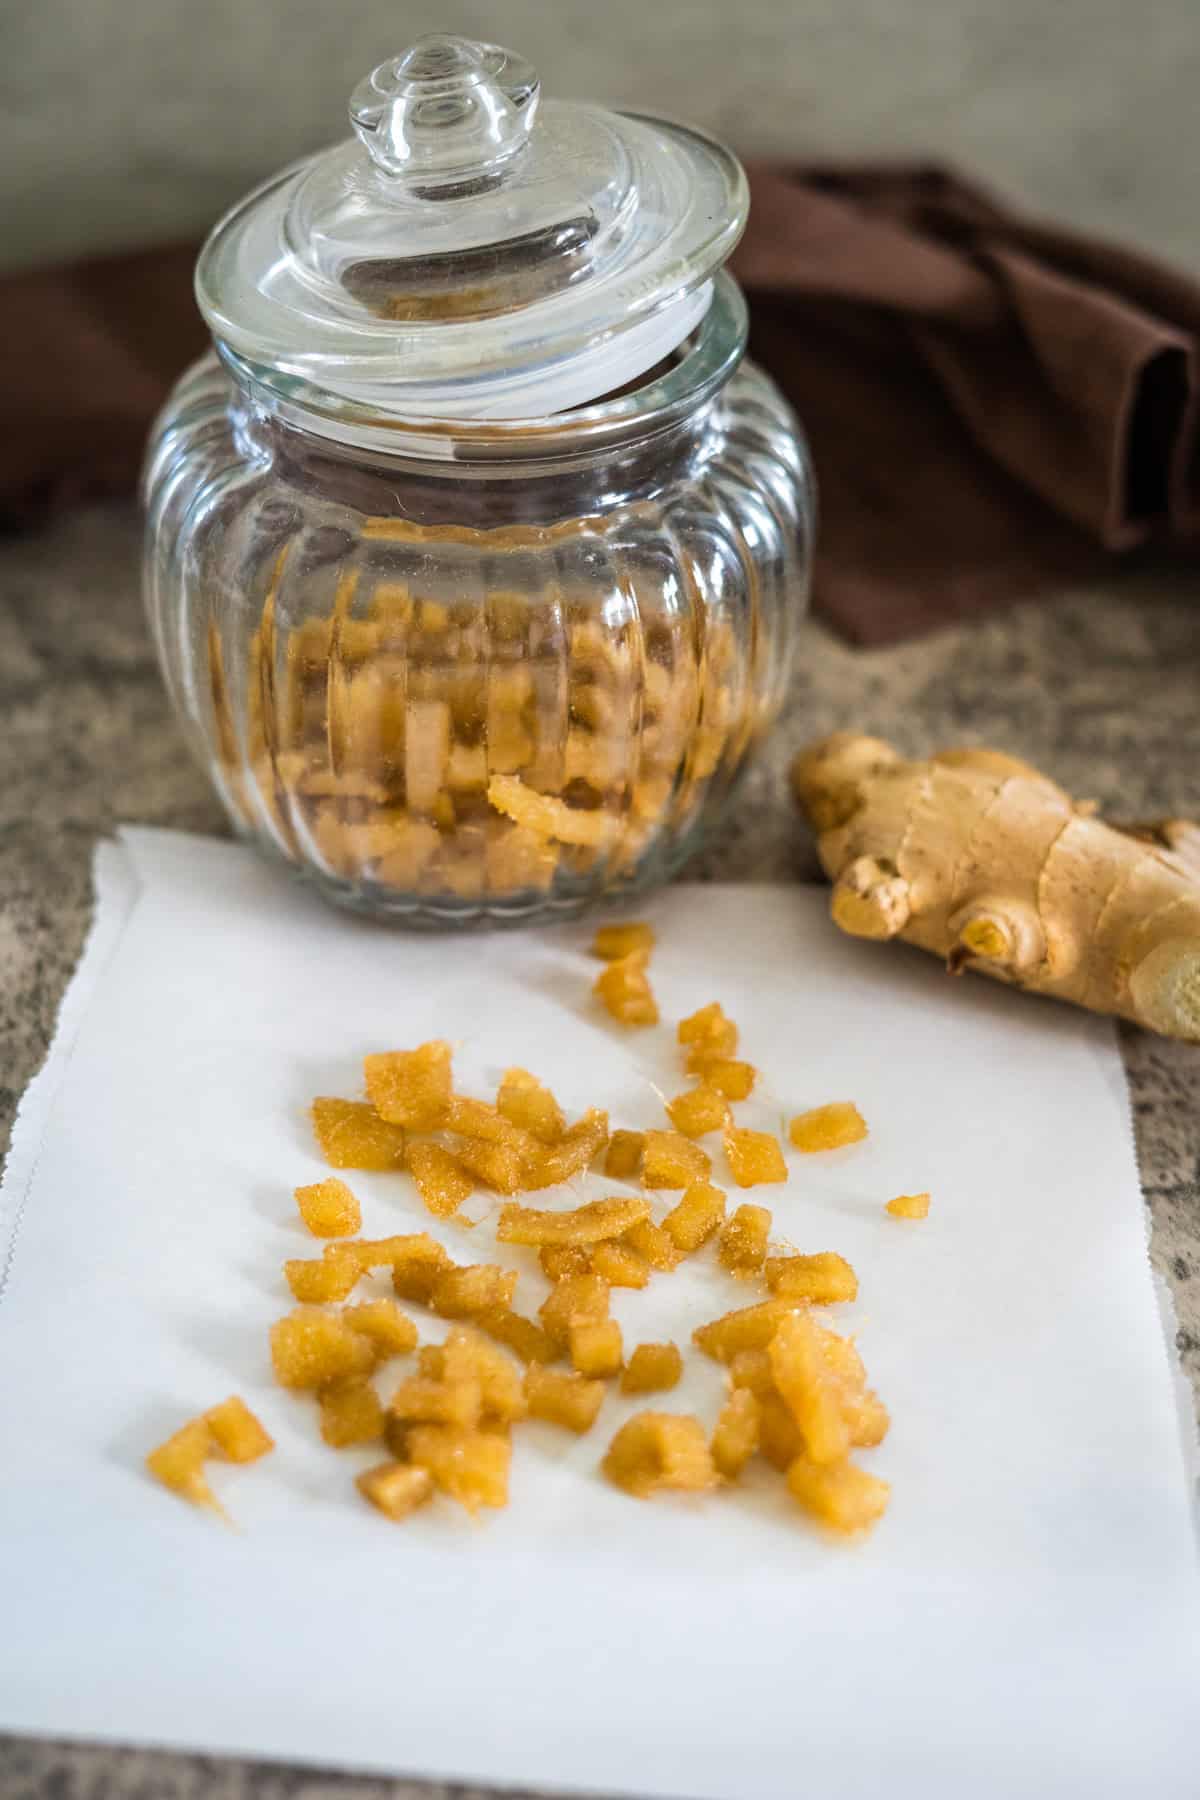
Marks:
<point>830,1127</point>
<point>581,1225</point>
<point>410,1087</point>
<point>179,1463</point>
<point>652,1369</point>
<point>442,1181</point>
<point>743,1244</point>
<point>526,1102</point>
<point>436,1400</point>
<point>754,1157</point>
<point>481,1120</point>
<point>750,1328</point>
<point>624,989</point>
<point>867,1418</point>
<point>698,1110</point>
<point>560,1261</point>
<point>704,1026</point>
<point>467,1356</point>
<point>819,1280</point>
<point>578,1300</point>
<point>350,1414</point>
<point>396,1489</point>
<point>692,1221</point>
<point>353,1136</point>
<point>497,1166</point>
<point>612,942</point>
<point>518,1334</point>
<point>736,1434</point>
<point>596,1348</point>
<point>620,1265</point>
<point>549,816</point>
<point>752,1369</point>
<point>623,1160</point>
<point>559,1398</point>
<point>651,1242</point>
<point>779,1436</point>
<point>236,1434</point>
<point>653,1452</point>
<point>579,1146</point>
<point>465,1292</point>
<point>698,1058</point>
<point>416,1273</point>
<point>316,1281</point>
<point>381,1321</point>
<point>808,1389</point>
<point>329,1209</point>
<point>839,1494</point>
<point>909,1206</point>
<point>406,1248</point>
<point>470,1466</point>
<point>673,1161</point>
<point>310,1348</point>
<point>733,1079</point>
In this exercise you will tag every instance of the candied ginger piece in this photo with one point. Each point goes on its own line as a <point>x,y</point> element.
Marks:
<point>743,1244</point>
<point>441,1179</point>
<point>820,1280</point>
<point>518,1334</point>
<point>310,1348</point>
<point>698,1110</point>
<point>381,1321</point>
<point>329,1209</point>
<point>318,1280</point>
<point>620,1265</point>
<point>749,1328</point>
<point>236,1434</point>
<point>653,1452</point>
<point>528,1103</point>
<point>179,1464</point>
<point>612,942</point>
<point>733,1079</point>
<point>704,1025</point>
<point>596,1347</point>
<point>623,1160</point>
<point>652,1244</point>
<point>754,1157</point>
<point>692,1221</point>
<point>830,1127</point>
<point>808,1389</point>
<point>839,1494</point>
<point>463,1293</point>
<point>437,1400</point>
<point>779,1436</point>
<point>410,1087</point>
<point>867,1418</point>
<point>391,1252</point>
<point>558,1261</point>
<point>485,1122</point>
<point>353,1136</point>
<point>579,1146</point>
<point>549,816</point>
<point>624,989</point>
<point>470,1466</point>
<point>652,1369</point>
<point>581,1299</point>
<point>395,1488</point>
<point>467,1356</point>
<point>736,1434</point>
<point>559,1398</point>
<point>498,1166</point>
<point>417,1266</point>
<point>909,1206</point>
<point>673,1161</point>
<point>350,1414</point>
<point>581,1225</point>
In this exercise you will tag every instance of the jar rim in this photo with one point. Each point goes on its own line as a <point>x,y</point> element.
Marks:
<point>707,360</point>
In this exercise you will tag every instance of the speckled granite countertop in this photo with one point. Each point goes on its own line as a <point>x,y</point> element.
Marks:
<point>1101,687</point>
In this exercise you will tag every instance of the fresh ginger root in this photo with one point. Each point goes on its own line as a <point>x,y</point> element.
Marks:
<point>977,857</point>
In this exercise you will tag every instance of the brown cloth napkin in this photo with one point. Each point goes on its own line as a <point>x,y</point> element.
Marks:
<point>992,403</point>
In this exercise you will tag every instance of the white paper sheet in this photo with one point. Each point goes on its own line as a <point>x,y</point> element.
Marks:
<point>1024,1621</point>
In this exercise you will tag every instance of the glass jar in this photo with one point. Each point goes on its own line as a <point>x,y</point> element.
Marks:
<point>453,661</point>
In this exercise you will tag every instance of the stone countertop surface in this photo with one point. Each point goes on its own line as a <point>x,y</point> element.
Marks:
<point>1101,687</point>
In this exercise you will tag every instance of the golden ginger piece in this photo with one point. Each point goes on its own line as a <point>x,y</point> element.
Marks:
<point>318,1280</point>
<point>706,1026</point>
<point>479,1119</point>
<point>581,1299</point>
<point>736,1434</point>
<point>350,1414</point>
<point>823,1279</point>
<point>839,1494</point>
<point>673,1161</point>
<point>652,1369</point>
<point>779,1436</point>
<point>496,1166</point>
<point>442,1181</point>
<point>582,1225</point>
<point>612,942</point>
<point>235,1433</point>
<point>410,1087</point>
<point>742,1248</point>
<point>909,1206</point>
<point>549,816</point>
<point>179,1464</point>
<point>329,1209</point>
<point>733,1079</point>
<point>750,1328</point>
<point>311,1348</point>
<point>464,1293</point>
<point>468,1357</point>
<point>624,988</point>
<point>623,1160</point>
<point>754,1157</point>
<point>699,1110</point>
<point>518,1334</point>
<point>396,1489</point>
<point>559,1398</point>
<point>560,1261</point>
<point>867,1418</point>
<point>384,1325</point>
<point>353,1136</point>
<point>830,1127</point>
<point>654,1452</point>
<point>578,1147</point>
<point>652,1244</point>
<point>596,1348</point>
<point>526,1102</point>
<point>470,1466</point>
<point>619,1265</point>
<point>693,1220</point>
<point>808,1389</point>
<point>406,1248</point>
<point>436,1400</point>
<point>417,1269</point>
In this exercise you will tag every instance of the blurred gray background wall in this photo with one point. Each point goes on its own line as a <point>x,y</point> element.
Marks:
<point>124,122</point>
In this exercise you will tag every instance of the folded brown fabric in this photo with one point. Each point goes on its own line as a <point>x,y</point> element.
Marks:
<point>993,404</point>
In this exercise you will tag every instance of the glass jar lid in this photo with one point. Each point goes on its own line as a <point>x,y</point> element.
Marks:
<point>473,252</point>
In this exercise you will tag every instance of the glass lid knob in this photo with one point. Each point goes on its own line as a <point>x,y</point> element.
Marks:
<point>449,110</point>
